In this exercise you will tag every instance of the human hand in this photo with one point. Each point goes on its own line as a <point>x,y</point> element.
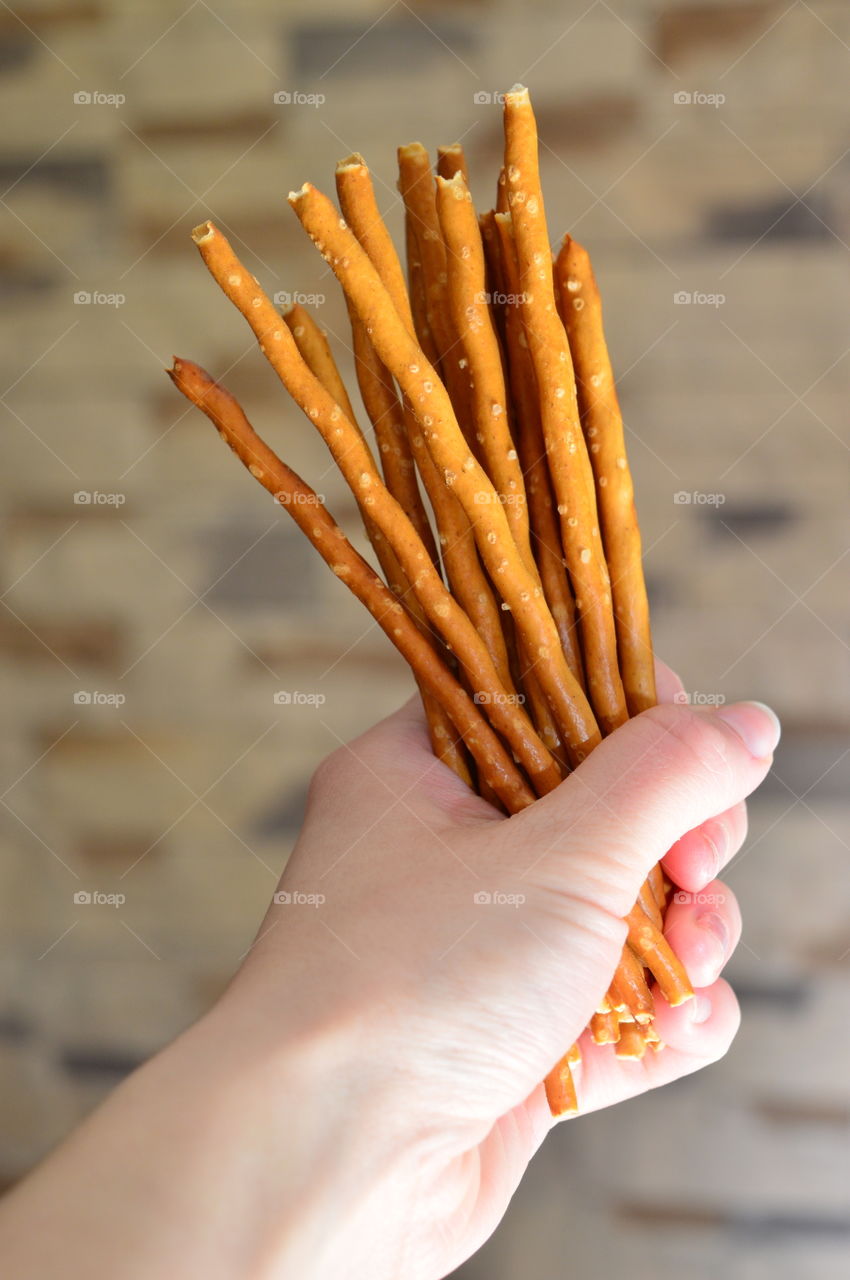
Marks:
<point>448,1011</point>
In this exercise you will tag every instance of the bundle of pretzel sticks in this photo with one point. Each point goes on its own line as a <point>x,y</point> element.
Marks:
<point>497,497</point>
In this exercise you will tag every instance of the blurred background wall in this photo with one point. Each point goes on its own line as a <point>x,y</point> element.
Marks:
<point>700,149</point>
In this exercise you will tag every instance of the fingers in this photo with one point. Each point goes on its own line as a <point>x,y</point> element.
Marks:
<point>700,855</point>
<point>703,929</point>
<point>660,775</point>
<point>695,1034</point>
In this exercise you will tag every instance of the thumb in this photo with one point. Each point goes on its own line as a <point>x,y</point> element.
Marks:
<point>656,777</point>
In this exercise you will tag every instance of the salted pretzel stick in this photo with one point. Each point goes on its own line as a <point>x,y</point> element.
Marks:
<point>384,412</point>
<point>656,884</point>
<point>428,397</point>
<point>356,465</point>
<point>572,477</point>
<point>460,557</point>
<point>451,160</point>
<point>469,307</point>
<point>316,353</point>
<point>493,761</point>
<point>532,452</point>
<point>561,1089</point>
<point>652,949</point>
<point>631,1042</point>
<point>502,203</point>
<point>416,184</point>
<point>650,907</point>
<point>605,1028</point>
<point>581,311</point>
<point>629,989</point>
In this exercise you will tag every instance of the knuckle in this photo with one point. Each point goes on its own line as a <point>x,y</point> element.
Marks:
<point>681,731</point>
<point>328,776</point>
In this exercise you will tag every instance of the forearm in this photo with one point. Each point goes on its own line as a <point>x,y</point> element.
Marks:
<point>216,1163</point>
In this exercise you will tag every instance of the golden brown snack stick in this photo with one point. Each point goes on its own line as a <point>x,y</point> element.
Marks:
<point>385,414</point>
<point>561,1089</point>
<point>605,1028</point>
<point>315,350</point>
<point>494,763</point>
<point>416,184</point>
<point>502,205</point>
<point>581,311</point>
<point>569,465</point>
<point>469,307</point>
<point>427,396</point>
<point>652,949</point>
<point>460,557</point>
<point>629,989</point>
<point>650,907</point>
<point>360,210</point>
<point>531,447</point>
<point>631,1042</point>
<point>355,463</point>
<point>451,160</point>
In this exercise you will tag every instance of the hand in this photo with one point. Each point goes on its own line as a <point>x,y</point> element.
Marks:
<point>460,1007</point>
<point>365,1097</point>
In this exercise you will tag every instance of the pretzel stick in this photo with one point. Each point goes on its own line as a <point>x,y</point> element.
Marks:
<point>532,453</point>
<point>468,305</point>
<point>502,203</point>
<point>631,1042</point>
<point>468,301</point>
<point>629,990</point>
<point>416,184</point>
<point>561,1089</point>
<point>451,160</point>
<point>316,353</point>
<point>581,311</point>
<point>652,949</point>
<point>460,557</point>
<point>355,463</point>
<point>649,906</point>
<point>494,763</point>
<point>605,1028</point>
<point>572,477</point>
<point>426,394</point>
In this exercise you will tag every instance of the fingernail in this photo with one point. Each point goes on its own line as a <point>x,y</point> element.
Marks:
<point>715,925</point>
<point>755,724</point>
<point>716,837</point>
<point>700,1009</point>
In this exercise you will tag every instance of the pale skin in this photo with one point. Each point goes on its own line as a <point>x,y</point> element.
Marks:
<point>365,1098</point>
